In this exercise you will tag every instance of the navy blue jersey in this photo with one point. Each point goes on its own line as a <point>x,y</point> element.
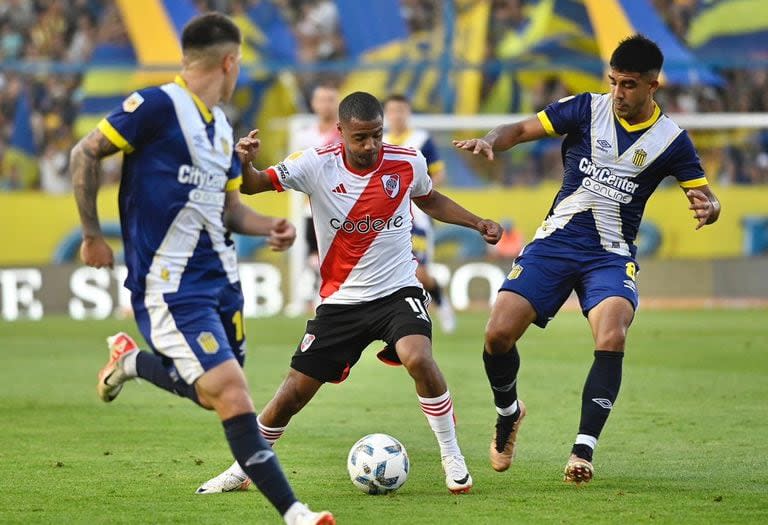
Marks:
<point>611,168</point>
<point>178,164</point>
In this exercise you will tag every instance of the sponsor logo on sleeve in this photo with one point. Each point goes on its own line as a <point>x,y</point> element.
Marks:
<point>132,103</point>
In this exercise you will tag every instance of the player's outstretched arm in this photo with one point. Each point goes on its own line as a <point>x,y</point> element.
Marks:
<point>85,169</point>
<point>254,180</point>
<point>503,137</point>
<point>240,218</point>
<point>705,206</point>
<point>443,209</point>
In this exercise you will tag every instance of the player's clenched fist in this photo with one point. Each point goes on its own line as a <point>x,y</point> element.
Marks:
<point>281,235</point>
<point>490,230</point>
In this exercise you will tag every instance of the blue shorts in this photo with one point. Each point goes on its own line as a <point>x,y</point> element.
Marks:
<point>546,281</point>
<point>192,334</point>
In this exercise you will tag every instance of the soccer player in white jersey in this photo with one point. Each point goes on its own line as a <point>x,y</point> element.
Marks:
<point>178,201</point>
<point>361,192</point>
<point>397,114</point>
<point>618,147</point>
<point>321,132</point>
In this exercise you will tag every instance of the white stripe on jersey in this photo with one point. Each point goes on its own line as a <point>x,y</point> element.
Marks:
<point>204,209</point>
<point>607,211</point>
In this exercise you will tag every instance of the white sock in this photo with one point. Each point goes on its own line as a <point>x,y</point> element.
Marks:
<point>439,412</point>
<point>507,411</point>
<point>294,511</point>
<point>271,434</point>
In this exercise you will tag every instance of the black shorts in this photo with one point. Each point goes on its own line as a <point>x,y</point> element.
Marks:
<point>335,339</point>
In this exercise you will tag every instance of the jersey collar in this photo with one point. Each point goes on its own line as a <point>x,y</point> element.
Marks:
<point>365,172</point>
<point>641,125</point>
<point>201,107</point>
<point>398,139</point>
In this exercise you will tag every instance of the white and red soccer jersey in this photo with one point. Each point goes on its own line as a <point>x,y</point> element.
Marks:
<point>362,219</point>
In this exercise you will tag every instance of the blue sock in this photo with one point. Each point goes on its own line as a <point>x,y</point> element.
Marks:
<point>258,460</point>
<point>151,367</point>
<point>501,370</point>
<point>600,391</point>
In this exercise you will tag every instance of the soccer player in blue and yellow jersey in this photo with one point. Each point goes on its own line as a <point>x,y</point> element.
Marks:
<point>179,199</point>
<point>618,147</point>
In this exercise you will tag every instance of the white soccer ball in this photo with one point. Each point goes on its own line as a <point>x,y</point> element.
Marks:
<point>378,464</point>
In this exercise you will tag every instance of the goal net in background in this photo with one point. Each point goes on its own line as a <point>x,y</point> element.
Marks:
<point>517,190</point>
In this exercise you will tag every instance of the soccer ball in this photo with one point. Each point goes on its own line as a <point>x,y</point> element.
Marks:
<point>378,464</point>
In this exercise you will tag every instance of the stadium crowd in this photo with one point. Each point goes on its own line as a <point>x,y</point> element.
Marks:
<point>65,32</point>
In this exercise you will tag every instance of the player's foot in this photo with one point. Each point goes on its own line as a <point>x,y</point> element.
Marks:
<point>578,470</point>
<point>388,356</point>
<point>112,376</point>
<point>457,477</point>
<point>447,316</point>
<point>299,514</point>
<point>227,481</point>
<point>504,442</point>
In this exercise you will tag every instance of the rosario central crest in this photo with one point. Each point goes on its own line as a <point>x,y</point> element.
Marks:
<point>391,185</point>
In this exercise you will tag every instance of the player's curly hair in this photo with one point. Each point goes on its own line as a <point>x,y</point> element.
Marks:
<point>208,30</point>
<point>361,106</point>
<point>637,54</point>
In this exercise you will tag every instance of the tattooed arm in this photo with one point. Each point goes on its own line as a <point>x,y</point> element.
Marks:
<point>85,164</point>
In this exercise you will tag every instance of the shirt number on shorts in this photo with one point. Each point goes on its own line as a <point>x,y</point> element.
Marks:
<point>418,308</point>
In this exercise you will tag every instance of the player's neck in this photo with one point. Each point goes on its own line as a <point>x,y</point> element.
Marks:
<point>643,116</point>
<point>204,85</point>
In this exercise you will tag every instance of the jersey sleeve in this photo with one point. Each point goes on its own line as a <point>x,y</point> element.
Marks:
<point>422,183</point>
<point>235,174</point>
<point>295,172</point>
<point>565,115</point>
<point>429,150</point>
<point>686,166</point>
<point>138,119</point>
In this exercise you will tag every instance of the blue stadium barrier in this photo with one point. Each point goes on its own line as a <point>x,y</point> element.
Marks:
<point>247,246</point>
<point>648,239</point>
<point>755,234</point>
<point>68,248</point>
<point>471,245</point>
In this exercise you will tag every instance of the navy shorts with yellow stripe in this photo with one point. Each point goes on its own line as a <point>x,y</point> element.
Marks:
<point>192,335</point>
<point>546,281</point>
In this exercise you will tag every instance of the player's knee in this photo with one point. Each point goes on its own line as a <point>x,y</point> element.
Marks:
<point>417,362</point>
<point>612,339</point>
<point>498,339</point>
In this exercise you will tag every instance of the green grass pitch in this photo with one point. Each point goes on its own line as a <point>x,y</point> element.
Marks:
<point>687,443</point>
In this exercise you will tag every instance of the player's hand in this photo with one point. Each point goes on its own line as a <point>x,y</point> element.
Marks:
<point>94,251</point>
<point>702,207</point>
<point>247,148</point>
<point>476,146</point>
<point>490,230</point>
<point>282,235</point>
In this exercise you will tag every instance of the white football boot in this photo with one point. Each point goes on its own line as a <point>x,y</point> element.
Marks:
<point>457,477</point>
<point>228,481</point>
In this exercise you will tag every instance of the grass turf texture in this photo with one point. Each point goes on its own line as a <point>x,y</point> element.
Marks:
<point>686,444</point>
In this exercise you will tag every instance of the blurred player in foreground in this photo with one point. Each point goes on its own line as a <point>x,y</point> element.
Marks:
<point>179,200</point>
<point>397,114</point>
<point>618,148</point>
<point>361,193</point>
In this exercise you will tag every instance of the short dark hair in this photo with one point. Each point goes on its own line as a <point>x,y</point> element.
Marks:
<point>397,97</point>
<point>361,106</point>
<point>208,30</point>
<point>637,54</point>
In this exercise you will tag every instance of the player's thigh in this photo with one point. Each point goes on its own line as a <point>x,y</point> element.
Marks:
<point>544,282</point>
<point>333,342</point>
<point>404,313</point>
<point>610,321</point>
<point>510,317</point>
<point>187,334</point>
<point>231,314</point>
<point>605,276</point>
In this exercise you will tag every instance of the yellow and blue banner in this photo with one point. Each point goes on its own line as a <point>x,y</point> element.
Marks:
<point>725,31</point>
<point>20,167</point>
